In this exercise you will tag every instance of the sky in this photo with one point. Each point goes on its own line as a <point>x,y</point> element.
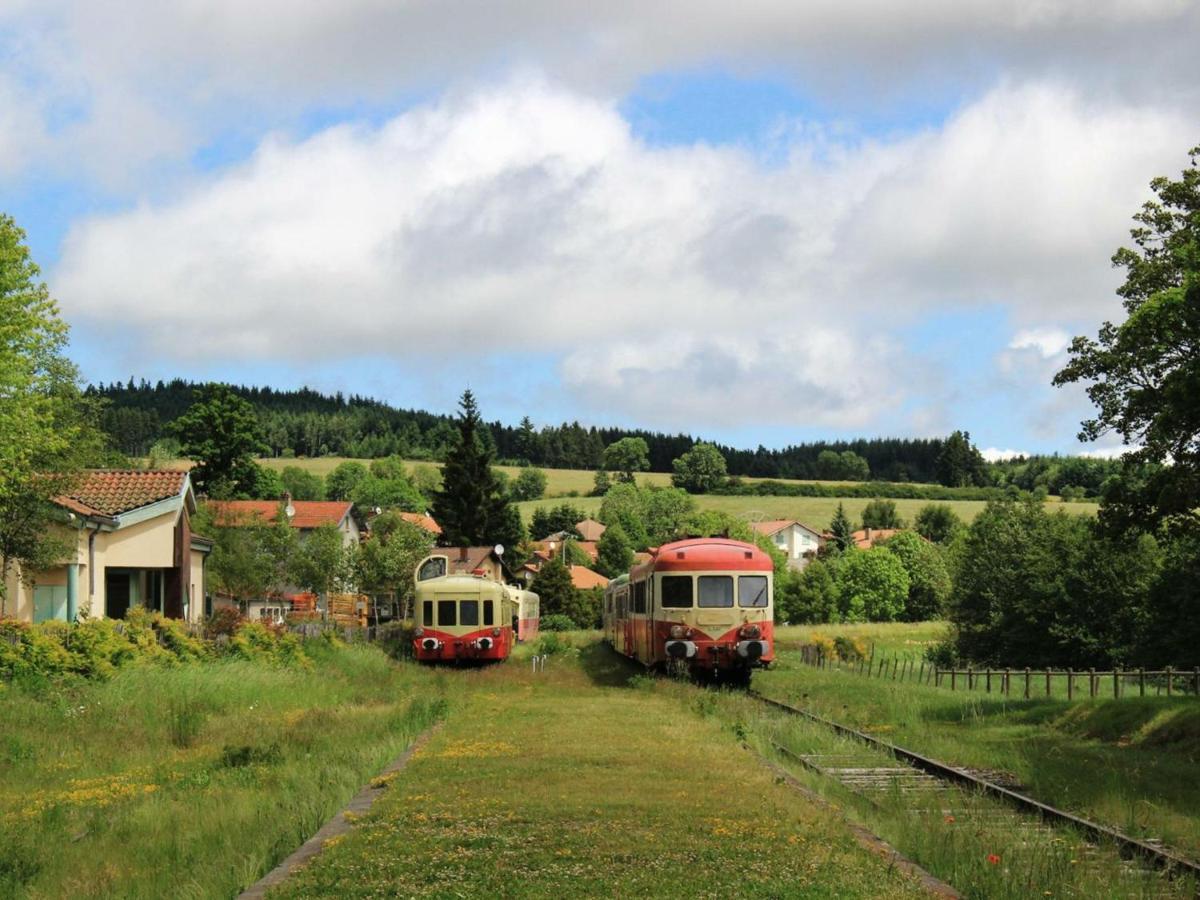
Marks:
<point>761,223</point>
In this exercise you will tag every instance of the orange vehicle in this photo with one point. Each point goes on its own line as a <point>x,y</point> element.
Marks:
<point>703,603</point>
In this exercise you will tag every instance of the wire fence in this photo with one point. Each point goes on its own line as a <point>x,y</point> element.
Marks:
<point>1026,683</point>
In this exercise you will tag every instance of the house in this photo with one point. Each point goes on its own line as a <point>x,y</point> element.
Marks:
<point>590,529</point>
<point>585,579</point>
<point>303,515</point>
<point>866,538</point>
<point>547,547</point>
<point>483,561</point>
<point>131,544</point>
<point>795,539</point>
<point>422,521</point>
<point>581,576</point>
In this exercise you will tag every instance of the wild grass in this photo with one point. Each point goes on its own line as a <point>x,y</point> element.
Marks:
<point>191,781</point>
<point>1129,763</point>
<point>586,780</point>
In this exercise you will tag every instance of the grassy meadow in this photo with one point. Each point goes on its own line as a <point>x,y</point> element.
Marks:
<point>587,780</point>
<point>191,781</point>
<point>1129,763</point>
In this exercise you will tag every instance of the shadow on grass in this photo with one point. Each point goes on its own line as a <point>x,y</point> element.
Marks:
<point>607,668</point>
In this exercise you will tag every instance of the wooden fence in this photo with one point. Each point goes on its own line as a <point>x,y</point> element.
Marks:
<point>1026,683</point>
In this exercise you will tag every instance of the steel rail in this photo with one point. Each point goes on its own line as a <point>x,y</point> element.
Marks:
<point>1159,856</point>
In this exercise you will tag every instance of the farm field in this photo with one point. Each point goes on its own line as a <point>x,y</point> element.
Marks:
<point>815,512</point>
<point>583,781</point>
<point>191,781</point>
<point>1129,763</point>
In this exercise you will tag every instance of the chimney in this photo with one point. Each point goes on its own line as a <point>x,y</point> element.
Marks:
<point>867,532</point>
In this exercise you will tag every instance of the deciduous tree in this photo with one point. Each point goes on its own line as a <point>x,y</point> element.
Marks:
<point>699,471</point>
<point>627,456</point>
<point>220,432</point>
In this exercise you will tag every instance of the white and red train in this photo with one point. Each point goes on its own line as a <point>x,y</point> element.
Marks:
<point>470,618</point>
<point>703,603</point>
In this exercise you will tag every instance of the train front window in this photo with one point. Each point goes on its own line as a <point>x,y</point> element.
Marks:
<point>716,591</point>
<point>488,612</point>
<point>752,591</point>
<point>677,592</point>
<point>447,612</point>
<point>468,612</point>
<point>427,612</point>
<point>434,567</point>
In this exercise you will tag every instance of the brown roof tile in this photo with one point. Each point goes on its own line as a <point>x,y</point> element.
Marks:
<point>309,513</point>
<point>110,492</point>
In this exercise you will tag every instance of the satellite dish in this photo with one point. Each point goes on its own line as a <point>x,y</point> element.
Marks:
<point>498,549</point>
<point>290,510</point>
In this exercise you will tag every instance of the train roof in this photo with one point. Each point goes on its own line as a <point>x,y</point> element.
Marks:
<point>459,584</point>
<point>707,554</point>
<point>620,581</point>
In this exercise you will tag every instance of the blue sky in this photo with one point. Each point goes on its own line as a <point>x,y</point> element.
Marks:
<point>761,225</point>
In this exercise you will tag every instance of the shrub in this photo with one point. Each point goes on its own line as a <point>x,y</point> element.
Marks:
<point>550,644</point>
<point>224,620</point>
<point>848,648</point>
<point>233,757</point>
<point>556,622</point>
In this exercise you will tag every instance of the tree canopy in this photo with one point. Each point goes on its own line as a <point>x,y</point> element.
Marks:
<point>700,470</point>
<point>471,508</point>
<point>960,464</point>
<point>1144,374</point>
<point>221,434</point>
<point>627,456</point>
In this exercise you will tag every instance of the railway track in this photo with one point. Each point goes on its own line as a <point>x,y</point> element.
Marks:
<point>930,784</point>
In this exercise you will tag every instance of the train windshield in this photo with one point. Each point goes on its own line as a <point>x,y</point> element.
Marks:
<point>752,591</point>
<point>468,612</point>
<point>716,591</point>
<point>677,592</point>
<point>447,612</point>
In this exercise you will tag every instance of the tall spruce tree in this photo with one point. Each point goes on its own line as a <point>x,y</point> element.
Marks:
<point>842,530</point>
<point>471,507</point>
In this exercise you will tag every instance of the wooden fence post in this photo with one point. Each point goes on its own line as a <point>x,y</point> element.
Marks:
<point>1196,681</point>
<point>1142,681</point>
<point>953,678</point>
<point>989,681</point>
<point>1047,682</point>
<point>921,676</point>
<point>1116,681</point>
<point>970,678</point>
<point>1170,678</point>
<point>1070,684</point>
<point>1091,682</point>
<point>1027,682</point>
<point>1006,685</point>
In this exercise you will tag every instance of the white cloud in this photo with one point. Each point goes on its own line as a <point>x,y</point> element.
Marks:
<point>528,216</point>
<point>1049,342</point>
<point>1115,452</point>
<point>992,454</point>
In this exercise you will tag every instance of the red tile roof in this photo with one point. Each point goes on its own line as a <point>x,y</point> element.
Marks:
<point>584,578</point>
<point>110,492</point>
<point>772,526</point>
<point>422,521</point>
<point>309,513</point>
<point>867,538</point>
<point>542,548</point>
<point>590,529</point>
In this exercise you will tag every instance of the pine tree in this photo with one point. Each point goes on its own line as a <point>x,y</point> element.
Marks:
<point>843,530</point>
<point>471,507</point>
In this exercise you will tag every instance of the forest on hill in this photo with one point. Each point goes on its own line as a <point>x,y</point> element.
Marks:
<point>305,422</point>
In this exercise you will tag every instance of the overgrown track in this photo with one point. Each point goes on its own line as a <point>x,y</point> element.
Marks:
<point>1151,852</point>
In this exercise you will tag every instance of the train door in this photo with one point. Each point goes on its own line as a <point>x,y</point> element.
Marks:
<point>636,619</point>
<point>648,640</point>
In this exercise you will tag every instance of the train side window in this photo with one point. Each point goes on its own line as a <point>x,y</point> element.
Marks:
<point>468,612</point>
<point>488,612</point>
<point>752,591</point>
<point>447,610</point>
<point>639,598</point>
<point>677,592</point>
<point>716,591</point>
<point>427,612</point>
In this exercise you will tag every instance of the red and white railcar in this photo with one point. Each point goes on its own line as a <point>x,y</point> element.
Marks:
<point>705,603</point>
<point>467,618</point>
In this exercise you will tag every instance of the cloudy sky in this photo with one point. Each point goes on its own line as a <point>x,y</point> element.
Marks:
<point>763,221</point>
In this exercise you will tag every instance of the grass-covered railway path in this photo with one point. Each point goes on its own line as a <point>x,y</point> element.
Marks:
<point>583,781</point>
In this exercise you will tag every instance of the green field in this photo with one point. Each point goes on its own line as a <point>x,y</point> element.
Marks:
<point>1129,763</point>
<point>573,485</point>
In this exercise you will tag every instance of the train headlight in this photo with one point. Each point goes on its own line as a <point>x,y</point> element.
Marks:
<point>751,631</point>
<point>419,631</point>
<point>678,631</point>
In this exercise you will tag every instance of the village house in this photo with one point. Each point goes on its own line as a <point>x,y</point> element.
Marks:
<point>590,529</point>
<point>421,520</point>
<point>866,538</point>
<point>304,516</point>
<point>131,544</point>
<point>582,577</point>
<point>795,539</point>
